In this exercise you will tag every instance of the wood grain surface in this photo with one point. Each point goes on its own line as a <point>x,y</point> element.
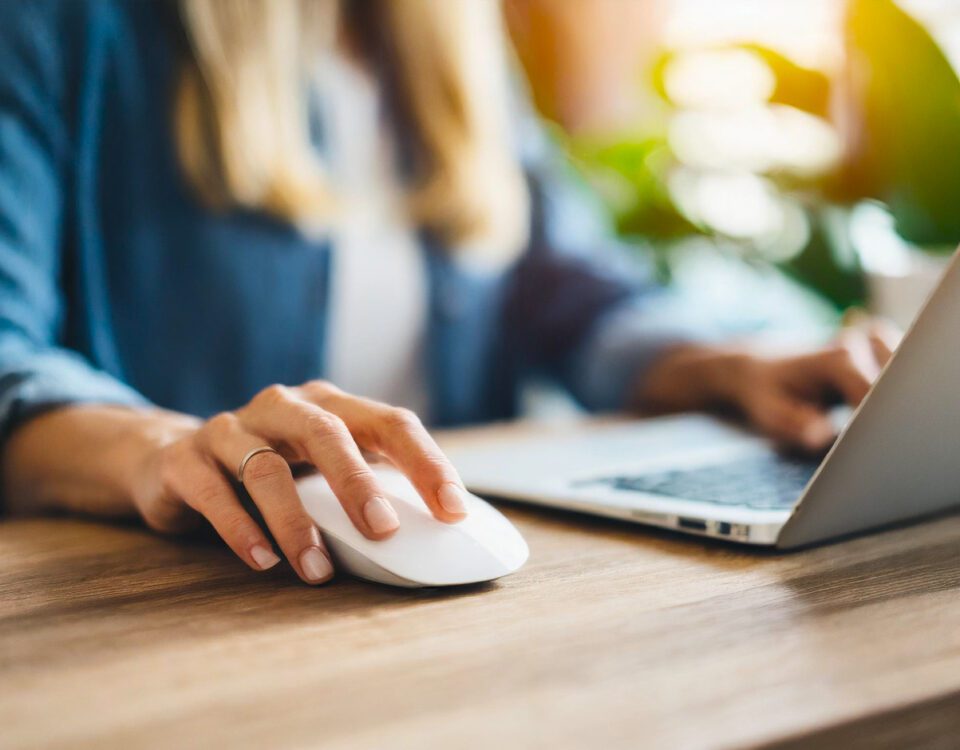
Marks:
<point>612,636</point>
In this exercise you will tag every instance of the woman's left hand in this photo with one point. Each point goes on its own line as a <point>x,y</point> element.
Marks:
<point>786,397</point>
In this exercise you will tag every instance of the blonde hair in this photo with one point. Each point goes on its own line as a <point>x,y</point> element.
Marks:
<point>242,123</point>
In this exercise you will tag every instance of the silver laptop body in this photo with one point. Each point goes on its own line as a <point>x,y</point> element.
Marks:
<point>896,460</point>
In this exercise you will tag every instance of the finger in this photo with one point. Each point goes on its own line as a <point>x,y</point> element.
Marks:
<point>850,367</point>
<point>268,480</point>
<point>315,435</point>
<point>882,351</point>
<point>792,422</point>
<point>884,339</point>
<point>402,438</point>
<point>202,486</point>
<point>399,435</point>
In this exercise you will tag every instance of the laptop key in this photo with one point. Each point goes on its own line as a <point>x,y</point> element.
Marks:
<point>759,482</point>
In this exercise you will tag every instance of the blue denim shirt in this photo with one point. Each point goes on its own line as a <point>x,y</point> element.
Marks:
<point>117,286</point>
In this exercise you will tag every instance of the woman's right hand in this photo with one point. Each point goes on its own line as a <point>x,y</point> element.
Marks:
<point>316,426</point>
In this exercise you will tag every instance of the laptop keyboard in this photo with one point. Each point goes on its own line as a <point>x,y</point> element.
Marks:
<point>758,482</point>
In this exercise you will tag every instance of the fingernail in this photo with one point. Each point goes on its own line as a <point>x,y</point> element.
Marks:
<point>315,565</point>
<point>818,435</point>
<point>452,499</point>
<point>263,557</point>
<point>380,515</point>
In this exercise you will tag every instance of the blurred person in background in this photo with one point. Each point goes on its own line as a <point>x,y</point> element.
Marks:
<point>310,227</point>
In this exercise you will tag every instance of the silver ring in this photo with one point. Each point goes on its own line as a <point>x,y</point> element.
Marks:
<point>251,454</point>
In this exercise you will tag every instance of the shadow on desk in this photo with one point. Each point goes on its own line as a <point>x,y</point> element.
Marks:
<point>887,574</point>
<point>83,569</point>
<point>934,725</point>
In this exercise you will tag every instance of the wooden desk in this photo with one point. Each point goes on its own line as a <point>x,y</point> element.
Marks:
<point>612,636</point>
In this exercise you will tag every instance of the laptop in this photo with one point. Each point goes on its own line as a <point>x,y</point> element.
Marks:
<point>897,458</point>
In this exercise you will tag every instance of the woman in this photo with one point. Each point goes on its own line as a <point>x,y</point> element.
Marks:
<point>201,200</point>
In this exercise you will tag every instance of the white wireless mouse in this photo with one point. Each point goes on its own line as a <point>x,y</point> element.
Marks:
<point>423,551</point>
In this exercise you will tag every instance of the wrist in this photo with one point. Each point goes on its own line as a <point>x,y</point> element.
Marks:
<point>84,458</point>
<point>695,377</point>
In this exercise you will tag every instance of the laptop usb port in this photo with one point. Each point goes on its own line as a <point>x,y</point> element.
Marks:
<point>692,524</point>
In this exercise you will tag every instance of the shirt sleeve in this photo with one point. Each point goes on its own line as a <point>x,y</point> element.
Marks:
<point>36,99</point>
<point>587,307</point>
